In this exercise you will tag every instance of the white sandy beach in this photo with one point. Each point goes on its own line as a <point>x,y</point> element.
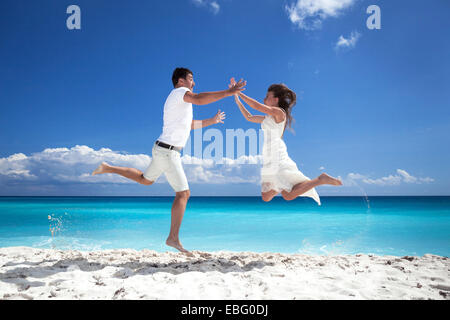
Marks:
<point>28,273</point>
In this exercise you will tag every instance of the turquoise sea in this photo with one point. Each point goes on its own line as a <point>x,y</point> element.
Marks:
<point>342,225</point>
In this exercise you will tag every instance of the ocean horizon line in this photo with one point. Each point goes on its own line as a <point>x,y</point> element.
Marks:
<point>225,196</point>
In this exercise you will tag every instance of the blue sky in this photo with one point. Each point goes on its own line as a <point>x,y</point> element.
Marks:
<point>374,111</point>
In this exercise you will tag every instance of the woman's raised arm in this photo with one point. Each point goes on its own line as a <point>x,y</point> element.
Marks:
<point>275,112</point>
<point>247,115</point>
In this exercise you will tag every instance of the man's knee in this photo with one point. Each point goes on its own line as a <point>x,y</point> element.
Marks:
<point>145,181</point>
<point>183,195</point>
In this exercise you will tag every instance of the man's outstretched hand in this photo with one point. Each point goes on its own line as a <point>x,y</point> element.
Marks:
<point>236,87</point>
<point>219,117</point>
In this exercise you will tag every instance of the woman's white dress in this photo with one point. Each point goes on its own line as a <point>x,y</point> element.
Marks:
<point>279,172</point>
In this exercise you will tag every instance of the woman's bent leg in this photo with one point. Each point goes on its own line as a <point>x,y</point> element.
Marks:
<point>305,186</point>
<point>268,196</point>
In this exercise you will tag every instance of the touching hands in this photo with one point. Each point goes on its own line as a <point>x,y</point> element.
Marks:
<point>236,87</point>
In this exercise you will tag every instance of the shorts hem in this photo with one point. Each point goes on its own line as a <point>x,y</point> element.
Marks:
<point>152,180</point>
<point>182,189</point>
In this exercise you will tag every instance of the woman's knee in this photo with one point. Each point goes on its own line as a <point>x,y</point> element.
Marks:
<point>287,196</point>
<point>267,196</point>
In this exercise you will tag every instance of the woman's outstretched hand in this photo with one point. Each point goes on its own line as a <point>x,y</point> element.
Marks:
<point>232,83</point>
<point>236,95</point>
<point>236,87</point>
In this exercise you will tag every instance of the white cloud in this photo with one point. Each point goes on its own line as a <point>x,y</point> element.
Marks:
<point>401,177</point>
<point>349,43</point>
<point>222,174</point>
<point>390,180</point>
<point>215,7</point>
<point>75,165</point>
<point>245,169</point>
<point>212,5</point>
<point>351,179</point>
<point>426,180</point>
<point>67,165</point>
<point>14,167</point>
<point>406,176</point>
<point>56,166</point>
<point>309,14</point>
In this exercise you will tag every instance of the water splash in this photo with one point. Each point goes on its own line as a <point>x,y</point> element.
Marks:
<point>56,226</point>
<point>59,225</point>
<point>344,246</point>
<point>364,227</point>
<point>366,197</point>
<point>336,248</point>
<point>352,182</point>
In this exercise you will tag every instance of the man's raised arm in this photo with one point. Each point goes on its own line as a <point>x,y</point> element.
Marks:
<point>210,97</point>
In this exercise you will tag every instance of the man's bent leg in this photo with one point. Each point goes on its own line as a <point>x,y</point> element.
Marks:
<point>130,173</point>
<point>178,208</point>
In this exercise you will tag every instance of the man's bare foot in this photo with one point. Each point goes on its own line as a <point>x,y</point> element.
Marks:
<point>330,180</point>
<point>102,168</point>
<point>177,245</point>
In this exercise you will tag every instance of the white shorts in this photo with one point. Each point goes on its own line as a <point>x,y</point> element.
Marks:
<point>168,162</point>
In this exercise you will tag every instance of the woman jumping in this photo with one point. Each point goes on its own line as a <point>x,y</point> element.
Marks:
<point>279,173</point>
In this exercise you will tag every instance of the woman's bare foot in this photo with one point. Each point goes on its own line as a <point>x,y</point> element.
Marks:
<point>330,180</point>
<point>177,245</point>
<point>102,168</point>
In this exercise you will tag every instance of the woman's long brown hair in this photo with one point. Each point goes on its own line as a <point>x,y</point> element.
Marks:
<point>286,100</point>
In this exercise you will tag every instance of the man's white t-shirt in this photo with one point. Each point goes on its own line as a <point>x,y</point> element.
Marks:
<point>177,118</point>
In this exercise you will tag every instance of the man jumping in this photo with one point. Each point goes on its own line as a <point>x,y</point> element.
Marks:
<point>166,152</point>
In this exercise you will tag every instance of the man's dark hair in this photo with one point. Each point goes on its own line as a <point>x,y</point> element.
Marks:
<point>180,73</point>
